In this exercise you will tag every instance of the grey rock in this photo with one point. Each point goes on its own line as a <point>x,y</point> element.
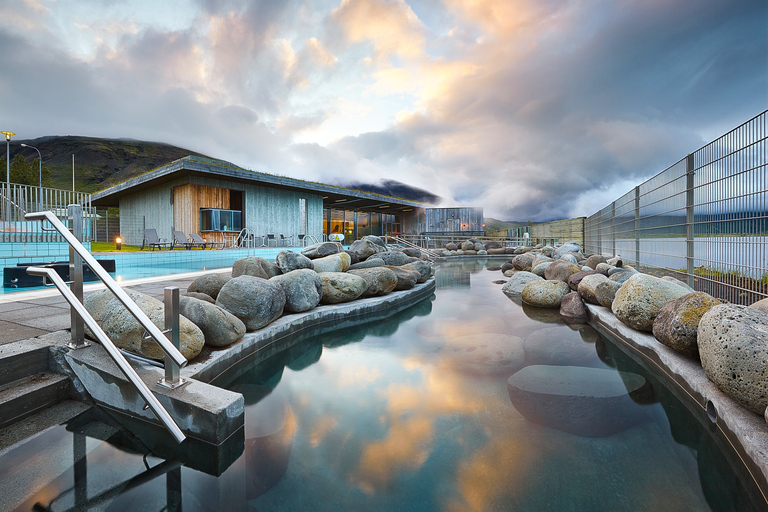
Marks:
<point>492,244</point>
<point>381,280</point>
<point>517,281</point>
<point>616,262</point>
<point>376,240</point>
<point>479,246</point>
<point>353,257</point>
<point>511,272</point>
<point>640,299</point>
<point>565,249</point>
<point>422,267</point>
<point>338,262</point>
<point>303,289</point>
<point>467,245</point>
<point>570,258</point>
<point>573,310</point>
<point>127,333</point>
<point>341,287</point>
<point>321,249</point>
<point>587,287</point>
<point>603,267</point>
<point>395,258</point>
<point>605,292</point>
<point>289,260</point>
<point>523,261</point>
<point>733,346</point>
<point>451,246</point>
<point>220,327</point>
<point>369,263</point>
<point>677,324</point>
<point>593,260</point>
<point>482,253</point>
<point>679,283</point>
<point>365,248</point>
<point>560,270</point>
<point>406,278</point>
<point>575,279</point>
<point>616,270</point>
<point>209,284</point>
<point>541,268</point>
<point>256,301</point>
<point>762,305</point>
<point>544,294</point>
<point>470,252</point>
<point>547,250</point>
<point>256,267</point>
<point>200,296</point>
<point>413,252</point>
<point>495,250</point>
<point>621,277</point>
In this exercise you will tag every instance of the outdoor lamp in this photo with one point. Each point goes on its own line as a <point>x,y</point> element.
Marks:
<point>119,244</point>
<point>40,183</point>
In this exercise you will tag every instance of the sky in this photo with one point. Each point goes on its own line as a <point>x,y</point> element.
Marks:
<point>533,109</point>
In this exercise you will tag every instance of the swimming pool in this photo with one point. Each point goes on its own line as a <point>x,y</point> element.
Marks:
<point>413,413</point>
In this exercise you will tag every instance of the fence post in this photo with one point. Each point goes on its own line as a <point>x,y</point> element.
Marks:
<point>689,217</point>
<point>75,216</point>
<point>637,228</point>
<point>172,379</point>
<point>613,229</point>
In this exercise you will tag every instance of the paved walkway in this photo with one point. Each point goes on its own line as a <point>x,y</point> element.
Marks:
<point>30,314</point>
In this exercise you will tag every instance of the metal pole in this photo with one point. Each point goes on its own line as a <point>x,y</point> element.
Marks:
<point>637,228</point>
<point>75,216</point>
<point>40,182</point>
<point>172,379</point>
<point>689,232</point>
<point>73,173</point>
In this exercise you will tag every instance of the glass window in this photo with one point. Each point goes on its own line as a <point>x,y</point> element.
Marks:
<point>337,222</point>
<point>349,227</point>
<point>215,219</point>
<point>363,224</point>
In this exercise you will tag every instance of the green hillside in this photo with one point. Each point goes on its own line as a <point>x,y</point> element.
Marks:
<point>495,227</point>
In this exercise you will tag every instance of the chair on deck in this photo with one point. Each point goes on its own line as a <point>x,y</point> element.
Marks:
<point>181,239</point>
<point>199,240</point>
<point>270,239</point>
<point>151,240</point>
<point>286,241</point>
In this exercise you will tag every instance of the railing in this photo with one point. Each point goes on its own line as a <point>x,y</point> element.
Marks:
<point>401,241</point>
<point>704,219</point>
<point>174,360</point>
<point>437,241</point>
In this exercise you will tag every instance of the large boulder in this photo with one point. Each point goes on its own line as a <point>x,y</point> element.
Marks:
<point>256,267</point>
<point>575,279</point>
<point>289,260</point>
<point>413,252</point>
<point>523,261</point>
<point>544,294</point>
<point>587,287</point>
<point>406,278</point>
<point>341,287</point>
<point>255,301</point>
<point>514,287</point>
<point>220,327</point>
<point>733,346</point>
<point>677,324</point>
<point>593,260</point>
<point>560,270</point>
<point>640,299</point>
<point>209,284</point>
<point>565,249</point>
<point>422,267</point>
<point>365,248</point>
<point>762,305</point>
<point>321,249</point>
<point>450,246</point>
<point>127,333</point>
<point>394,258</point>
<point>376,240</point>
<point>381,280</point>
<point>338,262</point>
<point>495,250</point>
<point>303,289</point>
<point>369,263</point>
<point>353,257</point>
<point>200,296</point>
<point>467,245</point>
<point>573,310</point>
<point>605,292</point>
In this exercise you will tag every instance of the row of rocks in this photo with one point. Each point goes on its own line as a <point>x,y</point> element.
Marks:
<point>731,341</point>
<point>218,309</point>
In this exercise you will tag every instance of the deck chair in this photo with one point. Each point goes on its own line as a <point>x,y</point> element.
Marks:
<point>181,239</point>
<point>205,243</point>
<point>151,240</point>
<point>271,238</point>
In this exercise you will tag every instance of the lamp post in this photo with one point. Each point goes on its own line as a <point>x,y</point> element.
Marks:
<point>8,136</point>
<point>40,182</point>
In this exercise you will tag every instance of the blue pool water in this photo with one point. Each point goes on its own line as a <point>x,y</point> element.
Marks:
<point>414,413</point>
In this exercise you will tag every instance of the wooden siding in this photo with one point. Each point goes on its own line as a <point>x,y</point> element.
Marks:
<point>565,230</point>
<point>453,220</point>
<point>147,209</point>
<point>187,201</point>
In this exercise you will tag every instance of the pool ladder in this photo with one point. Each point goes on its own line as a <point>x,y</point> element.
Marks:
<point>78,254</point>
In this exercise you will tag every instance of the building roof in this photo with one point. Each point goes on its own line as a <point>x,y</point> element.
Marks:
<point>218,169</point>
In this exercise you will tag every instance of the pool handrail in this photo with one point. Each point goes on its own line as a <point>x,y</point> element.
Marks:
<point>402,241</point>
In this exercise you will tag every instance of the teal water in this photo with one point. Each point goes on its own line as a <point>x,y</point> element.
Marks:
<point>414,413</point>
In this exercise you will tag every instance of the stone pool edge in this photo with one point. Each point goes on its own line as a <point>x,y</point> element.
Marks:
<point>744,430</point>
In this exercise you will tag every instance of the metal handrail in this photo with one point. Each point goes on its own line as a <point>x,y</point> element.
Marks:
<point>430,254</point>
<point>123,297</point>
<point>246,234</point>
<point>112,350</point>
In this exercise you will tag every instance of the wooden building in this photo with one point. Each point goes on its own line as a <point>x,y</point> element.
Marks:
<point>218,200</point>
<point>460,221</point>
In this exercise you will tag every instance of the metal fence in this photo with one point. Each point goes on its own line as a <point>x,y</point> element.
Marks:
<point>18,200</point>
<point>703,220</point>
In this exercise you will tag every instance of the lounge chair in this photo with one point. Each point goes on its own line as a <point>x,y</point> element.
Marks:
<point>205,243</point>
<point>151,240</point>
<point>181,239</point>
<point>271,238</point>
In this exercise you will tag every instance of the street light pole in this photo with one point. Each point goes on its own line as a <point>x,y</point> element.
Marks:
<point>40,182</point>
<point>8,136</point>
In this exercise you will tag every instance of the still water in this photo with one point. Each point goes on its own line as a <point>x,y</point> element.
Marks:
<point>415,413</point>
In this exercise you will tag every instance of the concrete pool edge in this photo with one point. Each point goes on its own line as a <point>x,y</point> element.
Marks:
<point>744,430</point>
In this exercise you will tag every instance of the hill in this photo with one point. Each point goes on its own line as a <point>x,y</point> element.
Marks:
<point>495,227</point>
<point>395,188</point>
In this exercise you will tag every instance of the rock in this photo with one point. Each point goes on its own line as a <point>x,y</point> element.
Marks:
<point>762,305</point>
<point>640,299</point>
<point>451,246</point>
<point>547,250</point>
<point>511,272</point>
<point>570,258</point>
<point>381,280</point>
<point>593,260</point>
<point>572,309</point>
<point>126,332</point>
<point>470,252</point>
<point>575,279</point>
<point>422,267</point>
<point>376,240</point>
<point>209,284</point>
<point>394,258</point>
<point>616,270</point>
<point>587,402</point>
<point>406,278</point>
<point>541,268</point>
<point>220,327</point>
<point>621,277</point>
<point>479,246</point>
<point>353,257</point>
<point>560,270</point>
<point>484,354</point>
<point>321,250</point>
<point>303,288</point>
<point>605,292</point>
<point>565,249</point>
<point>289,260</point>
<point>543,315</point>
<point>523,262</point>
<point>341,287</point>
<point>616,262</point>
<point>516,283</point>
<point>544,294</point>
<point>338,262</point>
<point>413,252</point>
<point>587,287</point>
<point>559,346</point>
<point>467,245</point>
<point>679,283</point>
<point>733,347</point>
<point>604,268</point>
<point>509,250</point>
<point>255,301</point>
<point>507,265</point>
<point>369,263</point>
<point>492,244</point>
<point>365,248</point>
<point>496,250</point>
<point>200,296</point>
<point>482,253</point>
<point>677,324</point>
<point>256,267</point>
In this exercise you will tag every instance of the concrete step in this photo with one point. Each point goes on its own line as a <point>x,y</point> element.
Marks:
<point>19,362</point>
<point>33,393</point>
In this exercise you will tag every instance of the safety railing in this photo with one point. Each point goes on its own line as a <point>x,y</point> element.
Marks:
<point>439,241</point>
<point>396,240</point>
<point>174,360</point>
